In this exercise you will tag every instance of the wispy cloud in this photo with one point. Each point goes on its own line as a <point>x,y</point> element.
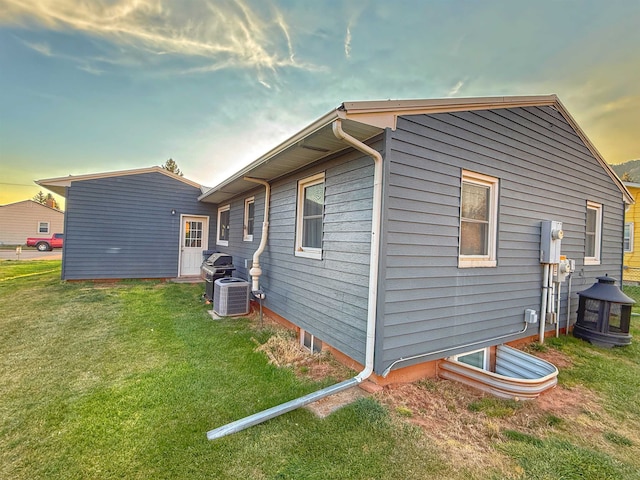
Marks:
<point>90,69</point>
<point>347,42</point>
<point>220,35</point>
<point>41,48</point>
<point>456,88</point>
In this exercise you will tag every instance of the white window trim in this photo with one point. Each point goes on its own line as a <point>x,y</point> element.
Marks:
<point>301,251</point>
<point>595,260</point>
<point>312,347</point>
<point>485,359</point>
<point>631,227</point>
<point>245,235</point>
<point>224,243</point>
<point>471,261</point>
<point>48,224</point>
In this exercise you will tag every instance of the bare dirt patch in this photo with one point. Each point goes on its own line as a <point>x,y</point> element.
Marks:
<point>446,412</point>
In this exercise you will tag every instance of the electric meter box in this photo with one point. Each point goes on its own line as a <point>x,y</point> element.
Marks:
<point>550,237</point>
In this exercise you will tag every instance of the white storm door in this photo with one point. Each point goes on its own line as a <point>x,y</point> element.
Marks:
<point>194,237</point>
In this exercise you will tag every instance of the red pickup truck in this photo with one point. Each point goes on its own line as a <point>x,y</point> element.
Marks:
<point>45,244</point>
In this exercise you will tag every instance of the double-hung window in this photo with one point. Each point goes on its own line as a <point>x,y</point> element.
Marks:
<point>223,225</point>
<point>249,214</point>
<point>309,217</point>
<point>478,220</point>
<point>628,237</point>
<point>43,227</point>
<point>593,234</point>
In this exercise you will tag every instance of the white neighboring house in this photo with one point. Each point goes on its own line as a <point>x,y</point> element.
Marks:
<point>27,218</point>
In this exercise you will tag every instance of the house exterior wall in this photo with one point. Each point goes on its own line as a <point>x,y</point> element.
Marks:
<point>429,304</point>
<point>122,226</point>
<point>631,269</point>
<point>21,219</point>
<point>326,297</point>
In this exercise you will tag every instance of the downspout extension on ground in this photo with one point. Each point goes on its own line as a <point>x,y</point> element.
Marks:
<point>376,216</point>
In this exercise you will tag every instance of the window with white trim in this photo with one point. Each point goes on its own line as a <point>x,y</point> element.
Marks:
<point>593,234</point>
<point>223,225</point>
<point>43,227</point>
<point>628,237</point>
<point>309,217</point>
<point>476,358</point>
<point>478,220</point>
<point>310,342</point>
<point>249,214</point>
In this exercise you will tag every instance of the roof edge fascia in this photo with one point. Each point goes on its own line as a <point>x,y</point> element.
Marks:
<point>594,151</point>
<point>66,181</point>
<point>301,135</point>
<point>32,201</point>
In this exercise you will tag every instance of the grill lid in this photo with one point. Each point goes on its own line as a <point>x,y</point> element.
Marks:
<point>218,260</point>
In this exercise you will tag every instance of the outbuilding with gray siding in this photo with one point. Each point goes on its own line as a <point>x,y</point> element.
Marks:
<point>144,223</point>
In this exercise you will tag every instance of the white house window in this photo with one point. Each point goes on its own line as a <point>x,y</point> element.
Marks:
<point>310,342</point>
<point>478,220</point>
<point>476,358</point>
<point>309,217</point>
<point>628,237</point>
<point>249,214</point>
<point>593,234</point>
<point>223,225</point>
<point>43,227</point>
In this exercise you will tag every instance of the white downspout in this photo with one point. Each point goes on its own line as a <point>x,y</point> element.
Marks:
<point>376,221</point>
<point>376,217</point>
<point>256,271</point>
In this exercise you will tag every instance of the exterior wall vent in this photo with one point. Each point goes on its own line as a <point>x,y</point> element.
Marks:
<point>231,297</point>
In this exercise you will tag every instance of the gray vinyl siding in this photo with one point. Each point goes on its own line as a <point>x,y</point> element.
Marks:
<point>326,297</point>
<point>545,172</point>
<point>122,227</point>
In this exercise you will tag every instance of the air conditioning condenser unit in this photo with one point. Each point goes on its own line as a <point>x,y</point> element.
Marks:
<point>231,297</point>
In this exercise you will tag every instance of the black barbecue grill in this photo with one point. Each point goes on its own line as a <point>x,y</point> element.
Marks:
<point>217,265</point>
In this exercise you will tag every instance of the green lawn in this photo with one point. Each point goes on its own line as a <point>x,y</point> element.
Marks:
<point>123,380</point>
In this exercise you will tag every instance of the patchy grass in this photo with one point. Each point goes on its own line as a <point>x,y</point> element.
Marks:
<point>123,380</point>
<point>13,269</point>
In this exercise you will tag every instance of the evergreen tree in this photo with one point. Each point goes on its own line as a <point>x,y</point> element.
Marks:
<point>40,198</point>
<point>47,200</point>
<point>172,167</point>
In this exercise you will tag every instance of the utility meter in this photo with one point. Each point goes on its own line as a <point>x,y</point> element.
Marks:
<point>551,235</point>
<point>563,269</point>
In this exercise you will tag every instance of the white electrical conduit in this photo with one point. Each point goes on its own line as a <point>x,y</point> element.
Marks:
<point>376,215</point>
<point>256,271</point>
<point>568,305</point>
<point>558,309</point>
<point>543,307</point>
<point>448,349</point>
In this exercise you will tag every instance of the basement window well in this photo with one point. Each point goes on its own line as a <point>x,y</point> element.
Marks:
<point>511,374</point>
<point>310,342</point>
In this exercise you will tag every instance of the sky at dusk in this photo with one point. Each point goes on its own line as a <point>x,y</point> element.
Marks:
<point>103,85</point>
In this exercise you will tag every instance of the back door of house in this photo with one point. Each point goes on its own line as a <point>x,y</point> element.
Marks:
<point>194,237</point>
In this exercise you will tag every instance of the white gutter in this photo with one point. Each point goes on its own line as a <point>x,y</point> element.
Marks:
<point>376,217</point>
<point>256,271</point>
